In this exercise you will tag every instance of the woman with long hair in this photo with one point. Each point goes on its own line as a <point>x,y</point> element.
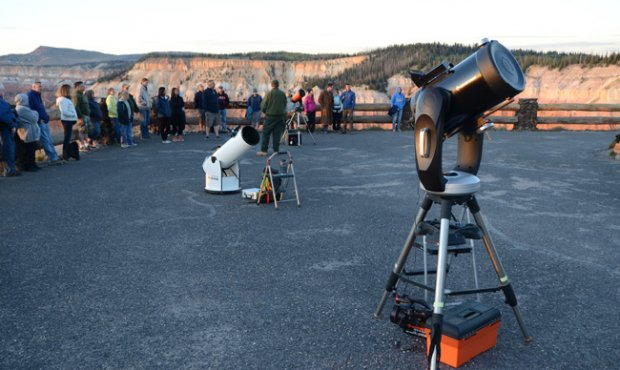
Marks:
<point>178,115</point>
<point>164,113</point>
<point>68,116</point>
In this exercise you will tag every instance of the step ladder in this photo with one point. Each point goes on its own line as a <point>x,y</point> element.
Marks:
<point>275,183</point>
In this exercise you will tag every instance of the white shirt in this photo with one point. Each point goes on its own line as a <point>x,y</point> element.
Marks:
<point>67,109</point>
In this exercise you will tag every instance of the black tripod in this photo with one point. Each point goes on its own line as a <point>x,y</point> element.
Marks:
<point>294,122</point>
<point>461,192</point>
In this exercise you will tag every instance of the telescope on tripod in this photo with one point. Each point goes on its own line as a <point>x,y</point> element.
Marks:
<point>454,100</point>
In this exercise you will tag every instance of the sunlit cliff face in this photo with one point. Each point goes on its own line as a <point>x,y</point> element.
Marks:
<point>239,76</point>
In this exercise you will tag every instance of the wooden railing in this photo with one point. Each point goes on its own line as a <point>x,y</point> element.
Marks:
<point>521,116</point>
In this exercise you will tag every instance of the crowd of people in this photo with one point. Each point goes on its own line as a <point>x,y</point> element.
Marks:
<point>110,120</point>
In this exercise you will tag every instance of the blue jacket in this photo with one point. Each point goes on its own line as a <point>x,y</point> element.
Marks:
<point>7,116</point>
<point>254,102</point>
<point>95,110</point>
<point>210,101</point>
<point>348,99</point>
<point>36,104</point>
<point>163,107</point>
<point>399,100</point>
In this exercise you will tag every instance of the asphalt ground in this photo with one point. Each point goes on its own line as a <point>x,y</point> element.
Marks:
<point>122,261</point>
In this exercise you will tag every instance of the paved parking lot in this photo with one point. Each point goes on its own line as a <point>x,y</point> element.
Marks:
<point>121,260</point>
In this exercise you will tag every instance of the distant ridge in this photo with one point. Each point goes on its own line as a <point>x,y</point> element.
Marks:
<point>51,56</point>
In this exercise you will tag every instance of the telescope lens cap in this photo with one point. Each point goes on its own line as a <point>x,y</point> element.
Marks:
<point>507,66</point>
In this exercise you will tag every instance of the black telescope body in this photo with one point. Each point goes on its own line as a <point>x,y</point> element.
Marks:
<point>452,99</point>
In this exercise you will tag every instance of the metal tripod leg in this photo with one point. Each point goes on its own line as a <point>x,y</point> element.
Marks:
<point>511,298</point>
<point>425,205</point>
<point>438,304</point>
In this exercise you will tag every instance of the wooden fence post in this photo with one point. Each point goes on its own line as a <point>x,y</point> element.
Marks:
<point>527,116</point>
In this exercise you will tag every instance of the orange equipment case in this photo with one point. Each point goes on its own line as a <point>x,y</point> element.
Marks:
<point>468,330</point>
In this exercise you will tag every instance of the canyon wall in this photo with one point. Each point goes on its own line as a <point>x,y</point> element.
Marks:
<point>573,84</point>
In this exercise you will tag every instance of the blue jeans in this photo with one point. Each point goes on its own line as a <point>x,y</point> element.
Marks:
<point>144,125</point>
<point>95,130</point>
<point>126,134</point>
<point>396,118</point>
<point>47,142</point>
<point>8,147</point>
<point>117,129</point>
<point>223,119</point>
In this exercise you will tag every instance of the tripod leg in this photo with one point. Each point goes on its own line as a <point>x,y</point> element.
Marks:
<point>438,304</point>
<point>509,293</point>
<point>398,267</point>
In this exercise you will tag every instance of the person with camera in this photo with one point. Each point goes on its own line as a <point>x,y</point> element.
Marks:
<point>274,107</point>
<point>326,99</point>
<point>310,110</point>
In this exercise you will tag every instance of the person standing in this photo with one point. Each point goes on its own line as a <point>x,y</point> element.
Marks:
<point>348,105</point>
<point>212,109</point>
<point>398,100</point>
<point>8,125</point>
<point>199,104</point>
<point>310,110</point>
<point>111,103</point>
<point>28,133</point>
<point>254,102</point>
<point>68,116</point>
<point>144,105</point>
<point>337,111</point>
<point>36,103</point>
<point>274,107</point>
<point>96,115</point>
<point>222,101</point>
<point>178,115</point>
<point>125,118</point>
<point>164,113</point>
<point>134,108</point>
<point>326,99</point>
<point>83,113</point>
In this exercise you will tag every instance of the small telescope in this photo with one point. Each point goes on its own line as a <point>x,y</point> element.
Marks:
<point>298,96</point>
<point>222,167</point>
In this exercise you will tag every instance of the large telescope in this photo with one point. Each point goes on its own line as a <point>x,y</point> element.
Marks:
<point>222,167</point>
<point>452,99</point>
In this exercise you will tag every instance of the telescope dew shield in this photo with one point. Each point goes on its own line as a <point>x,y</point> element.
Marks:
<point>479,82</point>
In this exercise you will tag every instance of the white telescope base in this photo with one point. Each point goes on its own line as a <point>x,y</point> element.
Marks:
<point>458,183</point>
<point>221,181</point>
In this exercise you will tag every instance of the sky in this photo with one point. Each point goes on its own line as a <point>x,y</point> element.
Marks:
<point>319,26</point>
